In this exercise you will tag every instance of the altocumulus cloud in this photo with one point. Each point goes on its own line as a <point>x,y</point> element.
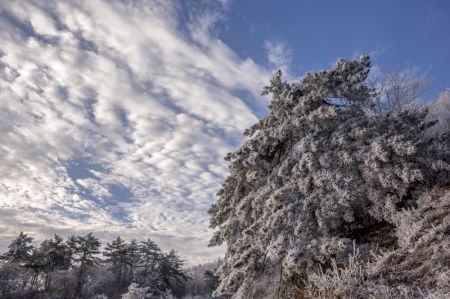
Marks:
<point>115,117</point>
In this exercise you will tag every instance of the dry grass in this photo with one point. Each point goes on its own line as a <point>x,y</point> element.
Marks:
<point>419,267</point>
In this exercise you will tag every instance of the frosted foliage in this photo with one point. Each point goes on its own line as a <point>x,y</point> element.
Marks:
<point>423,257</point>
<point>418,268</point>
<point>135,292</point>
<point>337,283</point>
<point>440,112</point>
<point>317,173</point>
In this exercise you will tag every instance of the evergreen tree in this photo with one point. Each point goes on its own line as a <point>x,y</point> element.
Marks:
<point>171,275</point>
<point>150,258</point>
<point>57,256</point>
<point>116,253</point>
<point>317,174</point>
<point>37,263</point>
<point>133,257</point>
<point>84,250</point>
<point>17,275</point>
<point>20,250</point>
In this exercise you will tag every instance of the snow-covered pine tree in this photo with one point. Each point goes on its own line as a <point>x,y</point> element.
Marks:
<point>116,254</point>
<point>84,251</point>
<point>151,256</point>
<point>317,174</point>
<point>133,257</point>
<point>56,255</point>
<point>171,273</point>
<point>20,249</point>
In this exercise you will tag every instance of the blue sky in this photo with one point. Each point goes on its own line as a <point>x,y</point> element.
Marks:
<point>116,115</point>
<point>400,34</point>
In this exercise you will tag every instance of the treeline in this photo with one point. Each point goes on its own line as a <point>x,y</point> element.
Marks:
<point>80,268</point>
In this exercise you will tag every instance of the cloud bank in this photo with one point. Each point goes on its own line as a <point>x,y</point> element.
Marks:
<point>115,117</point>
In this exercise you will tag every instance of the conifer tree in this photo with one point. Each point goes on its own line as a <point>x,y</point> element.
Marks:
<point>171,274</point>
<point>317,174</point>
<point>133,257</point>
<point>56,255</point>
<point>84,251</point>
<point>150,258</point>
<point>37,263</point>
<point>20,249</point>
<point>24,257</point>
<point>116,253</point>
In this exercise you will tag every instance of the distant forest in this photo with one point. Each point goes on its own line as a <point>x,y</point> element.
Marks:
<point>79,268</point>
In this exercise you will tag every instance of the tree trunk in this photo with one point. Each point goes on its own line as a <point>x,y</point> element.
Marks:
<point>145,271</point>
<point>78,286</point>
<point>47,281</point>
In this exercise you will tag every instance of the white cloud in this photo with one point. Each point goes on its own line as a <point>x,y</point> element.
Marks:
<point>279,55</point>
<point>113,121</point>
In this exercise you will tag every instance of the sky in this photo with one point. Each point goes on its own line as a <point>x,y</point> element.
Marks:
<point>115,115</point>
